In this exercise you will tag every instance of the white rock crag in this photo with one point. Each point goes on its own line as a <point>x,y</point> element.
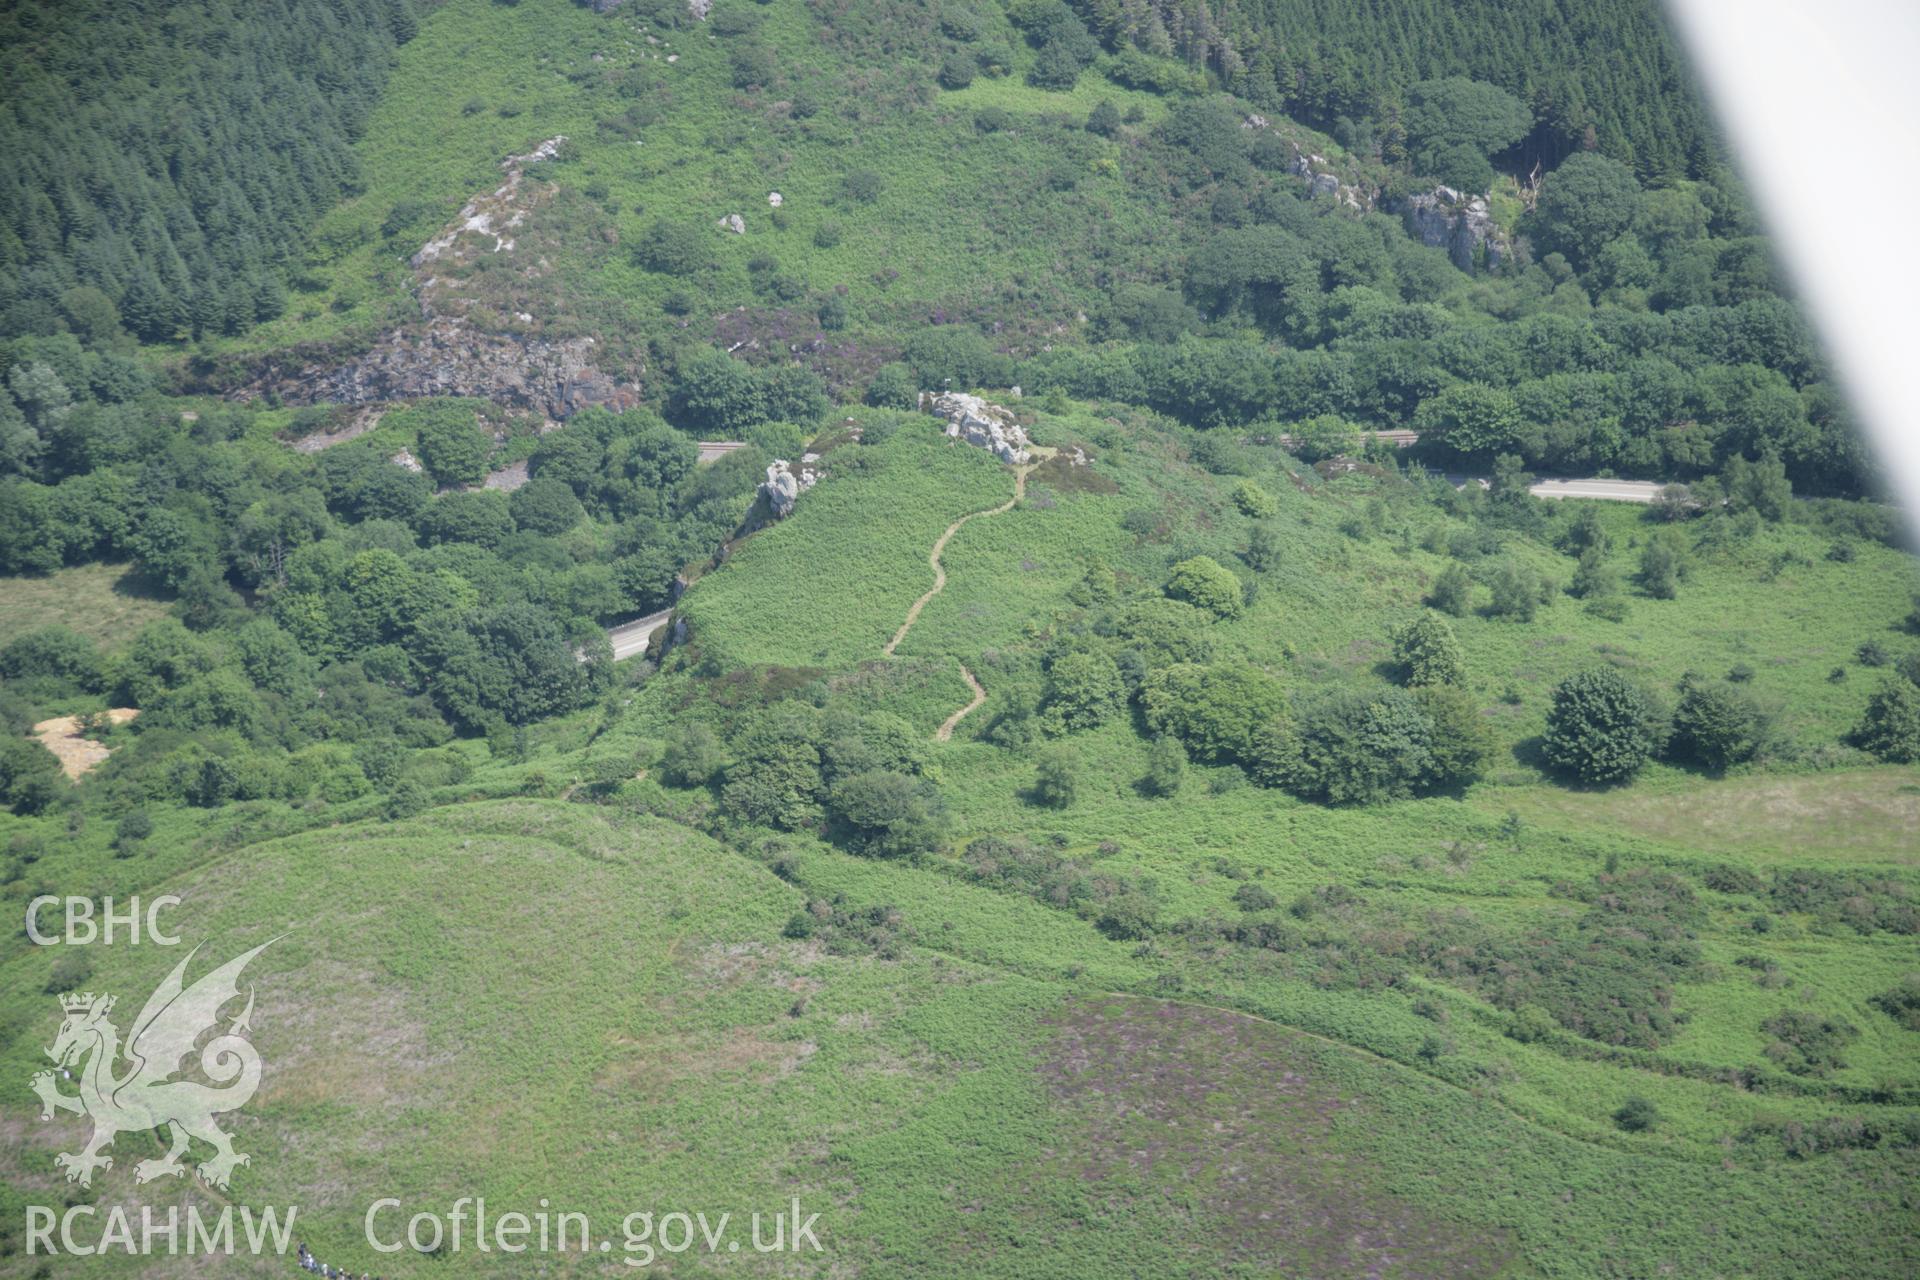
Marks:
<point>783,487</point>
<point>980,424</point>
<point>492,216</point>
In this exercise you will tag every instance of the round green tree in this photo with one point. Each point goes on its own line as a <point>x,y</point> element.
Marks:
<point>545,505</point>
<point>1586,202</point>
<point>1363,746</point>
<point>1599,727</point>
<point>1462,739</point>
<point>889,814</point>
<point>451,445</point>
<point>1452,591</point>
<point>1254,501</point>
<point>1083,691</point>
<point>1472,420</point>
<point>1890,728</point>
<point>1428,652</point>
<point>892,387</point>
<point>1714,725</point>
<point>1216,711</point>
<point>1056,781</point>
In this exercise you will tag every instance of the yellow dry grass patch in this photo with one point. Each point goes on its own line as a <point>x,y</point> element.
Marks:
<point>1870,815</point>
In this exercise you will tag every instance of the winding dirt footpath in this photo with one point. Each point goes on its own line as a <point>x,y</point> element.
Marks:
<point>933,557</point>
<point>979,696</point>
<point>945,731</point>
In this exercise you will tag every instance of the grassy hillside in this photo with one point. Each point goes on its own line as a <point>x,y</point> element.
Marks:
<point>522,999</point>
<point>1357,557</point>
<point>1175,855</point>
<point>962,219</point>
<point>1378,916</point>
<point>703,984</point>
<point>106,601</point>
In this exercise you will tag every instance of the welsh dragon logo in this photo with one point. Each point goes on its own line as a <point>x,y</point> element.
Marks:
<point>145,1093</point>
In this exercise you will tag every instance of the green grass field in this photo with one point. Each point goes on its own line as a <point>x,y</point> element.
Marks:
<point>107,602</point>
<point>1495,856</point>
<point>518,995</point>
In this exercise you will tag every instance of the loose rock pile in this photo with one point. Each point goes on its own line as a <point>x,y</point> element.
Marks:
<point>443,354</point>
<point>493,216</point>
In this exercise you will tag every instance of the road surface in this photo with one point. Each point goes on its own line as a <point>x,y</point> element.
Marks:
<point>714,450</point>
<point>1605,490</point>
<point>630,638</point>
<point>1595,489</point>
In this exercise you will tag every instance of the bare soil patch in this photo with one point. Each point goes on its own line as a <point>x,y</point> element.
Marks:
<point>78,755</point>
<point>357,424</point>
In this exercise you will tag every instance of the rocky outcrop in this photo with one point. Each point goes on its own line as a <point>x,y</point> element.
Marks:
<point>1461,224</point>
<point>783,487</point>
<point>1316,171</point>
<point>464,343</point>
<point>1323,182</point>
<point>698,8</point>
<point>446,358</point>
<point>733,222</point>
<point>356,426</point>
<point>980,424</point>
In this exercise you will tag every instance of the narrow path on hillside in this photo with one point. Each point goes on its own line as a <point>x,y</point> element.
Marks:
<point>933,557</point>
<point>979,696</point>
